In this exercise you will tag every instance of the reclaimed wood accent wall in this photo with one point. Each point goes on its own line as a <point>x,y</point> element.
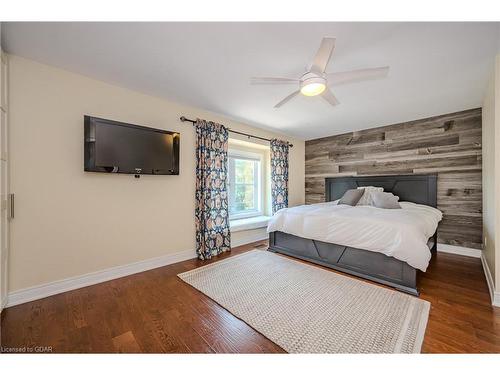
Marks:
<point>449,145</point>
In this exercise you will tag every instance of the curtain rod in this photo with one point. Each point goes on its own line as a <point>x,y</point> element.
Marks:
<point>184,119</point>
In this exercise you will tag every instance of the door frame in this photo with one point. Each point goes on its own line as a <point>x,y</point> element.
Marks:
<point>6,211</point>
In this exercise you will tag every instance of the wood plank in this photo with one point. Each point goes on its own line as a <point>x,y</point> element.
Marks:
<point>126,343</point>
<point>402,158</point>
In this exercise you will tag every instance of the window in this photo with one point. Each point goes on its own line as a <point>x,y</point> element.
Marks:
<point>244,177</point>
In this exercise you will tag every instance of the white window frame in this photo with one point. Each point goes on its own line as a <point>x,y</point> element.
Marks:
<point>258,187</point>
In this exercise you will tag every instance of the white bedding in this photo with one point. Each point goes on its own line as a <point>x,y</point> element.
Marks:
<point>400,233</point>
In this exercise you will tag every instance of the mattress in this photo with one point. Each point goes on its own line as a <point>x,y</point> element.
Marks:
<point>399,233</point>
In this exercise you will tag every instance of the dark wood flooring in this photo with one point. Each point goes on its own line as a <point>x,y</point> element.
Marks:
<point>154,311</point>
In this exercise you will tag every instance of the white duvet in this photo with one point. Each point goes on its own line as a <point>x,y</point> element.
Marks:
<point>400,233</point>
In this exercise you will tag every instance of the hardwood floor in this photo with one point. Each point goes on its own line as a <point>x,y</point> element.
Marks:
<point>154,311</point>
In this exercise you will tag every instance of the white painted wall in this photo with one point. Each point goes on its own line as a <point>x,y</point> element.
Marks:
<point>4,174</point>
<point>489,132</point>
<point>69,222</point>
<point>491,176</point>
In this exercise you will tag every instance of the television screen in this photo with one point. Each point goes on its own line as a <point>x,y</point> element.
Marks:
<point>117,147</point>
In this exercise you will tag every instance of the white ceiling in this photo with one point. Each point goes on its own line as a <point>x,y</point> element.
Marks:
<point>435,67</point>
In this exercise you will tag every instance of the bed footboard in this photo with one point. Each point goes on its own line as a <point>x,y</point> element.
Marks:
<point>362,263</point>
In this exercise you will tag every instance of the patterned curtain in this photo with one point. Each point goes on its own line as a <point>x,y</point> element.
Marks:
<point>211,214</point>
<point>279,174</point>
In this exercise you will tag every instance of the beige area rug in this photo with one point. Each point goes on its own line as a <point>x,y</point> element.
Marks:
<point>306,309</point>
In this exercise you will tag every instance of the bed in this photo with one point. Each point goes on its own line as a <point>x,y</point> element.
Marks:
<point>303,232</point>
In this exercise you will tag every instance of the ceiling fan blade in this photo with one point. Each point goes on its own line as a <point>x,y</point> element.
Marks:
<point>330,98</point>
<point>272,80</point>
<point>293,94</point>
<point>357,75</point>
<point>323,55</point>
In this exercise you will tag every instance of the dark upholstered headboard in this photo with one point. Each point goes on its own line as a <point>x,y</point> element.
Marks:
<point>420,189</point>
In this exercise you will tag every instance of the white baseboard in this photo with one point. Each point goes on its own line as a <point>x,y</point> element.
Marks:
<point>247,241</point>
<point>72,283</point>
<point>459,250</point>
<point>60,286</point>
<point>250,239</point>
<point>3,304</point>
<point>495,296</point>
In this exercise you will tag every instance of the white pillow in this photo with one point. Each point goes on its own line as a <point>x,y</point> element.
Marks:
<point>385,200</point>
<point>367,199</point>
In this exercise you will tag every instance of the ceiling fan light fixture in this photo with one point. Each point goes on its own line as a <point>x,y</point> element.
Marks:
<point>313,89</point>
<point>316,81</point>
<point>313,86</point>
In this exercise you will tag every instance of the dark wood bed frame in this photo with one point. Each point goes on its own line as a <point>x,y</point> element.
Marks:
<point>367,264</point>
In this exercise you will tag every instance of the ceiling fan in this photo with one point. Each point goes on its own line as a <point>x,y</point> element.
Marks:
<point>315,81</point>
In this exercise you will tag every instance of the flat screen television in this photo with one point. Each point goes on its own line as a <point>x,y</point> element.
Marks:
<point>117,147</point>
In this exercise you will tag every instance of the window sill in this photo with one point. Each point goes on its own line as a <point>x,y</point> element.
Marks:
<point>238,225</point>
